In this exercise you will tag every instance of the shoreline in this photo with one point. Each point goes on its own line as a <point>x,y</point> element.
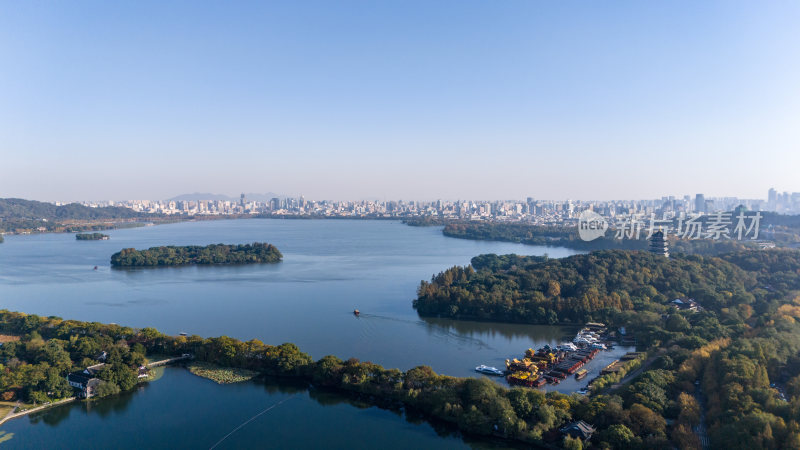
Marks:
<point>14,415</point>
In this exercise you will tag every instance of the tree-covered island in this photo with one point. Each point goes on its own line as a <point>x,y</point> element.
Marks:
<point>257,252</point>
<point>92,237</point>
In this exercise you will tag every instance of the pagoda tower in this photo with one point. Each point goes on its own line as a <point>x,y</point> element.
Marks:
<point>658,244</point>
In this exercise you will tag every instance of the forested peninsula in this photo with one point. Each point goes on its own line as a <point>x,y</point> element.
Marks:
<point>782,230</point>
<point>21,216</point>
<point>555,236</point>
<point>40,351</point>
<point>594,286</point>
<point>257,252</point>
<point>740,344</point>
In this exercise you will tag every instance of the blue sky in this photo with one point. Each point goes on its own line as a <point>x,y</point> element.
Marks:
<point>399,100</point>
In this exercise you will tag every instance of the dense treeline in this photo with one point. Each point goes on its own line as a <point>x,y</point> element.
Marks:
<point>735,365</point>
<point>425,221</point>
<point>567,237</point>
<point>737,368</point>
<point>91,236</point>
<point>50,347</point>
<point>257,252</point>
<point>44,226</point>
<point>29,216</point>
<point>579,288</point>
<point>535,235</point>
<point>34,367</point>
<point>17,208</point>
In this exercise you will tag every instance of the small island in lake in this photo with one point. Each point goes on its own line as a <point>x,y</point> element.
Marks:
<point>219,374</point>
<point>254,253</point>
<point>92,237</point>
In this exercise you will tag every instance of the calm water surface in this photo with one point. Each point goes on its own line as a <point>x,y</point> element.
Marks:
<point>181,410</point>
<point>330,267</point>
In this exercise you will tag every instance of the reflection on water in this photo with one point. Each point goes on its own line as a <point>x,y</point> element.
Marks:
<point>504,330</point>
<point>441,329</point>
<point>181,410</point>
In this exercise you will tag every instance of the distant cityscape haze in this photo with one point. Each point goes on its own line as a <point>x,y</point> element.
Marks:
<point>540,211</point>
<point>399,100</point>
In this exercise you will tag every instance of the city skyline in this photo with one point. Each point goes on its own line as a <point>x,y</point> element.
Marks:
<point>398,100</point>
<point>518,209</point>
<point>771,195</point>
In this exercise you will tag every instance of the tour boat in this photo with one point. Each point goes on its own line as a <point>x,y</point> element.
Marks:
<point>489,370</point>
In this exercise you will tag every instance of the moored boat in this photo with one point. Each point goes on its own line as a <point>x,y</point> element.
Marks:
<point>527,379</point>
<point>488,370</point>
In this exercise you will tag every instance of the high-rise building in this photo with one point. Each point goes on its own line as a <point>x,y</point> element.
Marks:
<point>242,200</point>
<point>772,199</point>
<point>700,203</point>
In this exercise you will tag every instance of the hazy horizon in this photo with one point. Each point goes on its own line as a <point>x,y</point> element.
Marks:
<point>399,100</point>
<point>235,198</point>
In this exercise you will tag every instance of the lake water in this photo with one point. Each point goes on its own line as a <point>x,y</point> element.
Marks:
<point>330,267</point>
<point>181,410</point>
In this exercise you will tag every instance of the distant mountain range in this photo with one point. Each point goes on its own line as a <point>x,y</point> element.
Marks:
<point>197,196</point>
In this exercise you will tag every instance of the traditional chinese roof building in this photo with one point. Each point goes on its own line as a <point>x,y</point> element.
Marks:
<point>658,244</point>
<point>686,304</point>
<point>579,429</point>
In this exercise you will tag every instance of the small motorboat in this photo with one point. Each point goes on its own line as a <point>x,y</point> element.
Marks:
<point>568,347</point>
<point>488,370</point>
<point>356,312</point>
<point>95,267</point>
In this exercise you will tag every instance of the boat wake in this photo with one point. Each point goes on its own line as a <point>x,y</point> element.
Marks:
<point>243,424</point>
